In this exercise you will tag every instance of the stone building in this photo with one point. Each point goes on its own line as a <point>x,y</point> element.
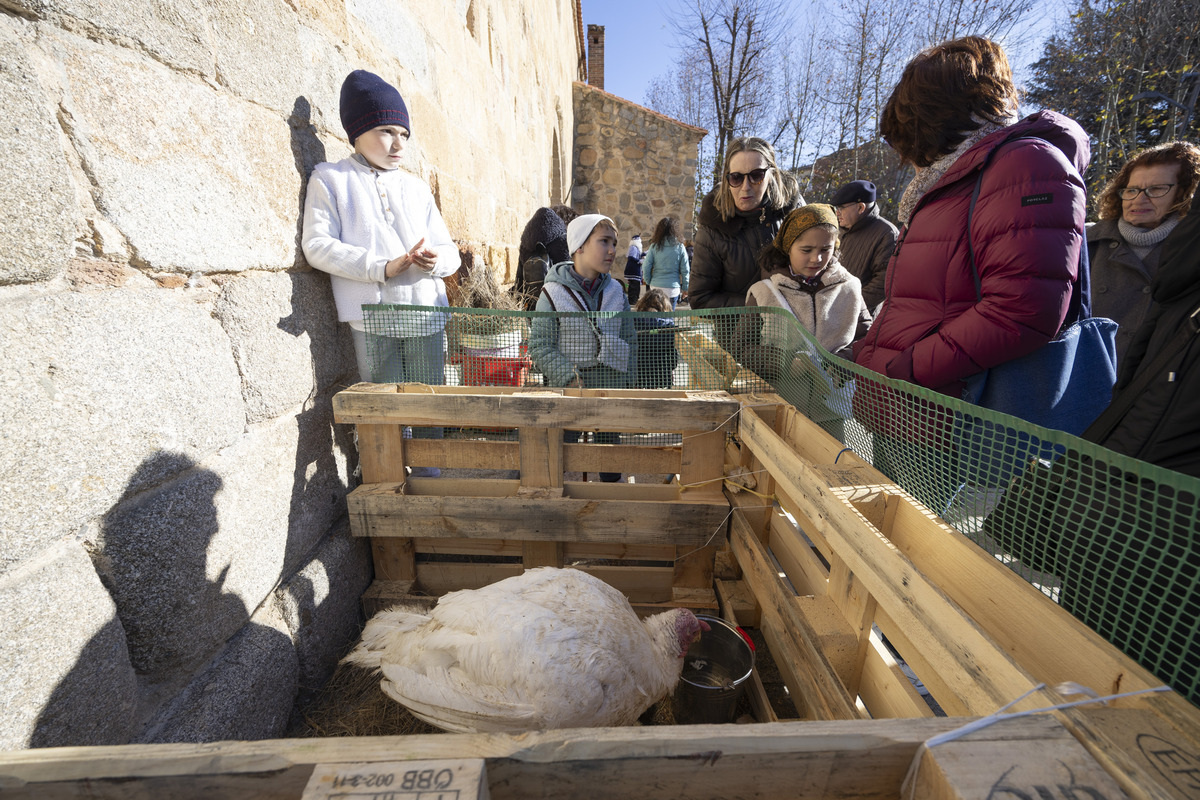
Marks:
<point>175,557</point>
<point>631,163</point>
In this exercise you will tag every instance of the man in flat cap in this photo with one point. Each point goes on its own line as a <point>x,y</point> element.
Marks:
<point>867,239</point>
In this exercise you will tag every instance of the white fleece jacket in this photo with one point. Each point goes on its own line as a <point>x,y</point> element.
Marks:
<point>356,219</point>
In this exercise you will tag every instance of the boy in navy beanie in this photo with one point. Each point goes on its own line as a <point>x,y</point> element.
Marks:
<point>377,231</point>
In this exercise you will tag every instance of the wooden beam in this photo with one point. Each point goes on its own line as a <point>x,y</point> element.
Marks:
<point>630,459</point>
<point>961,652</point>
<point>381,456</point>
<point>576,409</point>
<point>760,703</point>
<point>823,694</point>
<point>864,759</point>
<point>381,511</point>
<point>885,690</point>
<point>465,453</point>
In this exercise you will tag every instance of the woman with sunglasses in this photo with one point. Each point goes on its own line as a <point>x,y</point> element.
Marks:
<point>1137,209</point>
<point>737,219</point>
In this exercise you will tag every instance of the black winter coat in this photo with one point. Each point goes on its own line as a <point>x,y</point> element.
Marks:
<point>724,263</point>
<point>1163,425</point>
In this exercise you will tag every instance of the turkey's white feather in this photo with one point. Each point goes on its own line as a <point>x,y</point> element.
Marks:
<point>550,648</point>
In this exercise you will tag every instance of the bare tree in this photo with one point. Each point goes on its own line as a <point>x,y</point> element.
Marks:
<point>739,41</point>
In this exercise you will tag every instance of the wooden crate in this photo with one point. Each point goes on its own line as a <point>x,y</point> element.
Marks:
<point>654,542</point>
<point>847,555</point>
<point>826,559</point>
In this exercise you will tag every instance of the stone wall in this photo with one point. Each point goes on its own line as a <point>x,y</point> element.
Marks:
<point>633,164</point>
<point>175,562</point>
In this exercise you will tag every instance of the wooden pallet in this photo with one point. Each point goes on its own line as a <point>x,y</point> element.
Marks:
<point>826,560</point>
<point>654,542</point>
<point>846,552</point>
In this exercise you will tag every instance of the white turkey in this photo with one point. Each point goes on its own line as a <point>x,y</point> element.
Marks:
<point>550,648</point>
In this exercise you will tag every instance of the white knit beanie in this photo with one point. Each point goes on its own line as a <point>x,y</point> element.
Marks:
<point>580,229</point>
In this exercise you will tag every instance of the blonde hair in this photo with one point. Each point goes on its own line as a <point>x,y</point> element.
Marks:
<point>782,189</point>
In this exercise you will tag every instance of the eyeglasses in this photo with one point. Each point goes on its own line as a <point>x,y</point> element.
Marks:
<point>1131,192</point>
<point>755,175</point>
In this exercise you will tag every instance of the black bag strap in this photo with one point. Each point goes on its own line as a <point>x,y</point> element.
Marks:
<point>1099,430</point>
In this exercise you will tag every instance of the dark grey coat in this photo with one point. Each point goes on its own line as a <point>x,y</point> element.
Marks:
<point>865,251</point>
<point>1163,425</point>
<point>1120,280</point>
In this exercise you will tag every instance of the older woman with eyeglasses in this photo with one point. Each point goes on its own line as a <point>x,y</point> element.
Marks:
<point>737,219</point>
<point>1137,209</point>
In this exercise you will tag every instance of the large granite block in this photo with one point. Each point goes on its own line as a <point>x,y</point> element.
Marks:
<point>65,678</point>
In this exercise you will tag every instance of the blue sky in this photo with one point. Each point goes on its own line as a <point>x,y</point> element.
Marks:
<point>639,42</point>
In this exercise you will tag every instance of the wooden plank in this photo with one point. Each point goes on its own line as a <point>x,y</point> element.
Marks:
<point>572,551</point>
<point>834,635</point>
<point>380,511</point>
<point>783,649</point>
<point>438,578</point>
<point>998,762</point>
<point>631,459</point>
<point>465,454</point>
<point>467,547</point>
<point>541,468</point>
<point>980,673</point>
<point>541,554</point>
<point>541,457</point>
<point>702,467</point>
<point>797,557</point>
<point>864,759</point>
<point>381,456</point>
<point>823,695</point>
<point>639,584</point>
<point>624,550</point>
<point>738,599</point>
<point>858,608</point>
<point>381,595</point>
<point>756,693</point>
<point>587,410</point>
<point>1057,648</point>
<point>884,689</point>
<point>943,690</point>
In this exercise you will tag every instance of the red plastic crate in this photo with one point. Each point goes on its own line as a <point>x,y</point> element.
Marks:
<point>494,371</point>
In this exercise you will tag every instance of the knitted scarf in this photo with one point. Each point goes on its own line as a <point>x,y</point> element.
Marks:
<point>927,177</point>
<point>1142,240</point>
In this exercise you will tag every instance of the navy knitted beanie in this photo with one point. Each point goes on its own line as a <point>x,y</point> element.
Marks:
<point>369,101</point>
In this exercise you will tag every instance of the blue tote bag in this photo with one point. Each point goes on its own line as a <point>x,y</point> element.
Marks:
<point>1066,383</point>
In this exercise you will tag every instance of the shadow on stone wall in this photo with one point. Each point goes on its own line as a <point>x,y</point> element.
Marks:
<point>307,151</point>
<point>96,702</point>
<point>152,557</point>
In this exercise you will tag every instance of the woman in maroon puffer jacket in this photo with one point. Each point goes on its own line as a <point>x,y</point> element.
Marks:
<point>951,113</point>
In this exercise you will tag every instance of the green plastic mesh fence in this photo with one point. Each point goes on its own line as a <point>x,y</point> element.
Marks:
<point>1112,539</point>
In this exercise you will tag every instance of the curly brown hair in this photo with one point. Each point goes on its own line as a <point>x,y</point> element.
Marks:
<point>1185,154</point>
<point>943,94</point>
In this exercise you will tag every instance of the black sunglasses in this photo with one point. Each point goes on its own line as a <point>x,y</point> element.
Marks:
<point>755,175</point>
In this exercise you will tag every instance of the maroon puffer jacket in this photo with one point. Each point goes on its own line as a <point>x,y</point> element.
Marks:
<point>1027,229</point>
